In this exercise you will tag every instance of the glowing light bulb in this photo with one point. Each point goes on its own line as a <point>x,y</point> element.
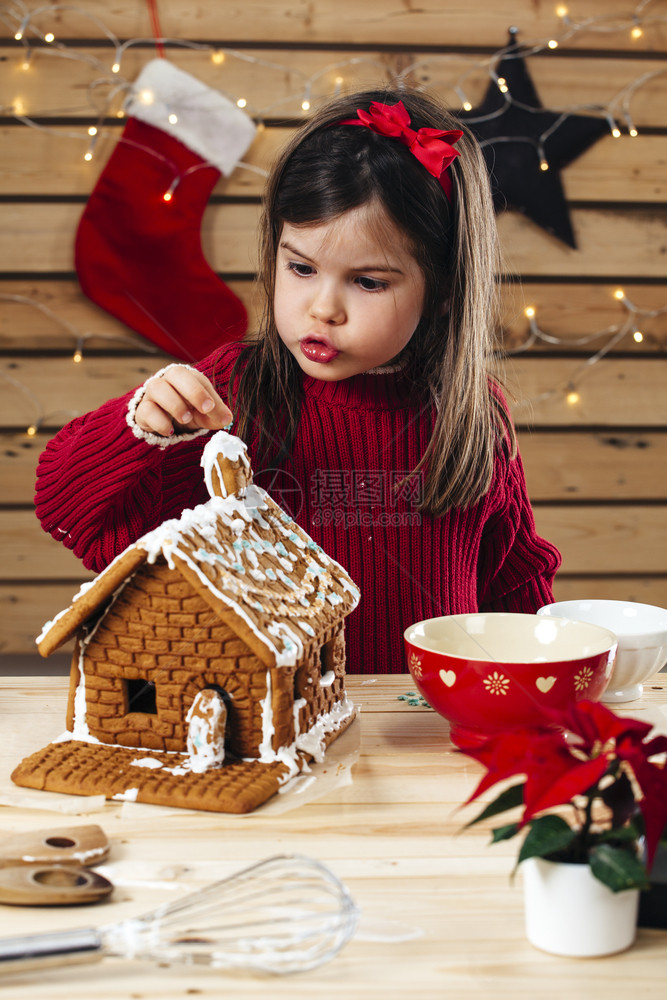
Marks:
<point>616,132</point>
<point>218,58</point>
<point>172,119</point>
<point>25,64</point>
<point>49,37</point>
<point>115,68</point>
<point>241,103</point>
<point>544,165</point>
<point>529,311</point>
<point>169,193</point>
<point>305,105</point>
<point>18,36</point>
<point>467,106</point>
<point>633,132</point>
<point>120,113</point>
<point>561,11</point>
<point>19,107</point>
<point>636,32</point>
<point>638,336</point>
<point>552,43</point>
<point>31,431</point>
<point>88,156</point>
<point>92,130</point>
<point>339,81</point>
<point>77,357</point>
<point>502,85</point>
<point>619,294</point>
<point>146,96</point>
<point>573,397</point>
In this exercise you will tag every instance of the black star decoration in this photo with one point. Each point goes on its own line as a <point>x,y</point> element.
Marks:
<point>525,146</point>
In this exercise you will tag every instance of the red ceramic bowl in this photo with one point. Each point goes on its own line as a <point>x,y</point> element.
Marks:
<point>487,672</point>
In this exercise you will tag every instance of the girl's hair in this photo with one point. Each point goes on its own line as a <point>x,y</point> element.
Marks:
<point>328,169</point>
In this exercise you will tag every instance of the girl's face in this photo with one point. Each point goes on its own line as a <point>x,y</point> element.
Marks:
<point>349,294</point>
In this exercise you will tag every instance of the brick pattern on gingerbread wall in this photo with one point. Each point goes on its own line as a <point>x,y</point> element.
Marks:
<point>160,630</point>
<point>328,654</point>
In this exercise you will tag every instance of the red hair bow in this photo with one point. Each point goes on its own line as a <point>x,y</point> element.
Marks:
<point>427,144</point>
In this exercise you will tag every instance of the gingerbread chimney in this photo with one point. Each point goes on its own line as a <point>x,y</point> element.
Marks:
<point>226,466</point>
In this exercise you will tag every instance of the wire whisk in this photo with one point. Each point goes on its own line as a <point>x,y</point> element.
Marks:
<point>286,914</point>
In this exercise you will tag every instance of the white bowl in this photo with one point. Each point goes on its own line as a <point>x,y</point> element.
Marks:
<point>641,630</point>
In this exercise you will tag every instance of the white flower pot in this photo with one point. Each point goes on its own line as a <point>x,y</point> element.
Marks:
<point>570,912</point>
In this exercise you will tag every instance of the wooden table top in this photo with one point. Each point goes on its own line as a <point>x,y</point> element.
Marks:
<point>440,916</point>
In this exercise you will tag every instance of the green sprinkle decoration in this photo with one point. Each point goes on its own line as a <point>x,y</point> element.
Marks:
<point>413,698</point>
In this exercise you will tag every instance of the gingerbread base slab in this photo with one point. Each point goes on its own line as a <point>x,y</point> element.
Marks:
<point>80,768</point>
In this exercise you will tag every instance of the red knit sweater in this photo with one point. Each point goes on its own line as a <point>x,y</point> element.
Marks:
<point>100,487</point>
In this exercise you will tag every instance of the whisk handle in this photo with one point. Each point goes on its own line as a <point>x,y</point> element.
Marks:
<point>38,951</point>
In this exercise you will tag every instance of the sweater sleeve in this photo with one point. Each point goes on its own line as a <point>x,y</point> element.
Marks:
<point>100,487</point>
<point>516,566</point>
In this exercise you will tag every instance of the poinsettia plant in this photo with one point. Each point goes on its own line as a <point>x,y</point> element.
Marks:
<point>604,768</point>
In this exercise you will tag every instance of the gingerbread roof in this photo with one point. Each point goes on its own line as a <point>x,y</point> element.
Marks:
<point>258,569</point>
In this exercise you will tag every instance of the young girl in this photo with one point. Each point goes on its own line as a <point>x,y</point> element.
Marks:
<point>366,401</point>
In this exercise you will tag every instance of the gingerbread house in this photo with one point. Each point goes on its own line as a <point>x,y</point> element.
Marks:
<point>210,656</point>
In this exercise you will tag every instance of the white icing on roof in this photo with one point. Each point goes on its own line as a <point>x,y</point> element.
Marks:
<point>49,625</point>
<point>251,556</point>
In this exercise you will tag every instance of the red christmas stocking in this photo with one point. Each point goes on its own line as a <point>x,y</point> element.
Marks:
<point>138,249</point>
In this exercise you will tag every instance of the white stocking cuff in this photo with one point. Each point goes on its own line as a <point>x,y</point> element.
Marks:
<point>200,117</point>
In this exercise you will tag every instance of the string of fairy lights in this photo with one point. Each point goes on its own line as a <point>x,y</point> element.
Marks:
<point>108,93</point>
<point>612,335</point>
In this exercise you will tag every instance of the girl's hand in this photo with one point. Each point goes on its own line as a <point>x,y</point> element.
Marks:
<point>181,400</point>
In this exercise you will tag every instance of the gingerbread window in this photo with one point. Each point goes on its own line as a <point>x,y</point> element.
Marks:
<point>327,657</point>
<point>140,696</point>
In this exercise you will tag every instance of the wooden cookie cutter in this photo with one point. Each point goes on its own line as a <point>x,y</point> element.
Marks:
<point>49,867</point>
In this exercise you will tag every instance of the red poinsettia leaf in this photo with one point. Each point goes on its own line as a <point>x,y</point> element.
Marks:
<point>651,777</point>
<point>593,722</point>
<point>548,790</point>
<point>656,746</point>
<point>632,729</point>
<point>655,824</point>
<point>501,749</point>
<point>544,757</point>
<point>652,780</point>
<point>574,721</point>
<point>557,771</point>
<point>503,755</point>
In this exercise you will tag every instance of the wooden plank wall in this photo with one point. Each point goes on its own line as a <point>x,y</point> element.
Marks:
<point>596,467</point>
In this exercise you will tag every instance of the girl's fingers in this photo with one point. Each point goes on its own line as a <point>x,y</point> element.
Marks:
<point>152,419</point>
<point>161,392</point>
<point>183,399</point>
<point>205,406</point>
